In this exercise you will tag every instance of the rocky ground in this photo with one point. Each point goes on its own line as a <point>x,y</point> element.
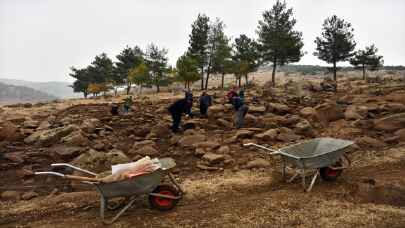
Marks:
<point>228,185</point>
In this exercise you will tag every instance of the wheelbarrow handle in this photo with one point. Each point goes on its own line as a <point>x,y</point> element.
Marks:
<point>70,177</point>
<point>74,167</point>
<point>273,152</point>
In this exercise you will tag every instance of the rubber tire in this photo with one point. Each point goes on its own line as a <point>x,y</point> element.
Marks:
<point>325,173</point>
<point>153,200</point>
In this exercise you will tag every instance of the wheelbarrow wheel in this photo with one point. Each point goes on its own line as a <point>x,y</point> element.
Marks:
<point>164,204</point>
<point>329,173</point>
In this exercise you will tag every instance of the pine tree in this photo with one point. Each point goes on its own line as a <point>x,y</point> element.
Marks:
<point>127,59</point>
<point>186,70</point>
<point>337,43</point>
<point>198,43</point>
<point>367,59</point>
<point>279,42</point>
<point>82,82</point>
<point>156,60</point>
<point>245,57</point>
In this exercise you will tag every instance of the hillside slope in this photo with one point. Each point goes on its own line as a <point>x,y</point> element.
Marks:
<point>57,89</point>
<point>10,94</point>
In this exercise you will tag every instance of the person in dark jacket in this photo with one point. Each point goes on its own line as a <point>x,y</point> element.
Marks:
<point>240,111</point>
<point>178,108</point>
<point>205,102</point>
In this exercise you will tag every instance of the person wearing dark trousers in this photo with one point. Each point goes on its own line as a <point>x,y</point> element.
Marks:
<point>178,108</point>
<point>240,111</point>
<point>205,103</point>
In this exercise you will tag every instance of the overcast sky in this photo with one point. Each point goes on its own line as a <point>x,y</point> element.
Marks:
<point>41,39</point>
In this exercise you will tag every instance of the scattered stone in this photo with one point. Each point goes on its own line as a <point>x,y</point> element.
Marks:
<point>90,125</point>
<point>278,108</point>
<point>354,112</point>
<point>401,134</point>
<point>11,196</point>
<point>208,145</point>
<point>48,137</point>
<point>14,157</point>
<point>258,163</point>
<point>242,134</point>
<point>328,112</point>
<point>223,150</point>
<point>257,109</point>
<point>30,124</point>
<point>9,131</point>
<point>212,158</point>
<point>208,168</point>
<point>29,195</point>
<point>143,143</point>
<point>390,123</point>
<point>367,141</point>
<point>268,135</point>
<point>308,112</point>
<point>191,140</point>
<point>146,150</point>
<point>199,152</point>
<point>76,138</point>
<point>66,151</point>
<point>44,125</point>
<point>99,161</point>
<point>224,123</point>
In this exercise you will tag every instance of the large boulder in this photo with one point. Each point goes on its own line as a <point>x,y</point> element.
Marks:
<point>305,128</point>
<point>211,145</point>
<point>216,110</point>
<point>11,196</point>
<point>90,125</point>
<point>161,130</point>
<point>257,109</point>
<point>49,137</point>
<point>369,142</point>
<point>308,112</point>
<point>354,112</point>
<point>146,150</point>
<point>192,140</point>
<point>287,135</point>
<point>76,138</point>
<point>278,108</point>
<point>328,112</point>
<point>9,131</point>
<point>390,123</point>
<point>242,134</point>
<point>257,164</point>
<point>212,158</point>
<point>268,135</point>
<point>32,124</point>
<point>224,123</point>
<point>392,107</point>
<point>401,134</point>
<point>99,161</point>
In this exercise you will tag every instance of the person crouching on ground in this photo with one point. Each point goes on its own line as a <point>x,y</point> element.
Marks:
<point>178,108</point>
<point>127,104</point>
<point>240,111</point>
<point>205,102</point>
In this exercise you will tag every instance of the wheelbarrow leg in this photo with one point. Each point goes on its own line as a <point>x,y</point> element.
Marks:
<point>119,213</point>
<point>313,181</point>
<point>303,178</point>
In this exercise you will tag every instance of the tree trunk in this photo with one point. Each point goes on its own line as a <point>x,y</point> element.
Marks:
<point>246,79</point>
<point>85,94</point>
<point>273,75</point>
<point>364,72</point>
<point>185,85</point>
<point>239,81</point>
<point>334,71</point>
<point>129,84</point>
<point>222,80</point>
<point>115,91</point>
<point>202,78</point>
<point>208,75</point>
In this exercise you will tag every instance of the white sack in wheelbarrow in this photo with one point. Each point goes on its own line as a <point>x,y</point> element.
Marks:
<point>125,171</point>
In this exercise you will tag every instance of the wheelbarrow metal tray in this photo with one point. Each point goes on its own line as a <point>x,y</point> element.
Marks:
<point>134,186</point>
<point>316,153</point>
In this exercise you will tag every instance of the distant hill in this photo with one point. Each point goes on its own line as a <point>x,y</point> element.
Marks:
<point>10,94</point>
<point>57,89</point>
